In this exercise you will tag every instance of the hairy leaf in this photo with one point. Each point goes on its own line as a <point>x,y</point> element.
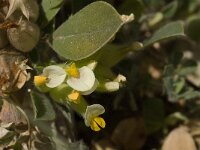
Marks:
<point>87,31</point>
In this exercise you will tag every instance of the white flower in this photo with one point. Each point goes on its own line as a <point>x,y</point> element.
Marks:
<point>92,89</point>
<point>52,76</point>
<point>92,119</point>
<point>82,79</point>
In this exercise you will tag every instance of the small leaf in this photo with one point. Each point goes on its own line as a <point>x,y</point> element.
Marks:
<point>48,11</point>
<point>193,30</point>
<point>190,94</point>
<point>43,109</point>
<point>170,30</point>
<point>88,31</point>
<point>170,9</point>
<point>188,67</point>
<point>179,85</point>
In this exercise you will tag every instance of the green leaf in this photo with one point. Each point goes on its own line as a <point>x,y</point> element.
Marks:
<point>187,67</point>
<point>190,94</point>
<point>87,31</point>
<point>49,8</point>
<point>170,9</point>
<point>193,30</point>
<point>43,109</point>
<point>170,30</point>
<point>116,52</point>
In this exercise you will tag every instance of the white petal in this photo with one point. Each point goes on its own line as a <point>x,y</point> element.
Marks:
<point>93,111</point>
<point>56,75</point>
<point>92,89</point>
<point>92,65</point>
<point>112,86</point>
<point>85,82</point>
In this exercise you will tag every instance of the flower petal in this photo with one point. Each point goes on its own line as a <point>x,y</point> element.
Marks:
<point>92,65</point>
<point>100,121</point>
<point>92,89</point>
<point>85,82</point>
<point>56,75</point>
<point>94,126</point>
<point>93,111</point>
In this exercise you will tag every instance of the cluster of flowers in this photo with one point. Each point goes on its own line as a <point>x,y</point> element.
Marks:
<point>79,81</point>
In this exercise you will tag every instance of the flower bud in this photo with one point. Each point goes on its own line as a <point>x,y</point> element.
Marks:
<point>25,36</point>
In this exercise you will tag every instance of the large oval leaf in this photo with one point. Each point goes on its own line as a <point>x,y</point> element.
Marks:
<point>87,31</point>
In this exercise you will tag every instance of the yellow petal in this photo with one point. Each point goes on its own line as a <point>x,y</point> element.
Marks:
<point>40,80</point>
<point>94,126</point>
<point>73,71</point>
<point>100,121</point>
<point>74,96</point>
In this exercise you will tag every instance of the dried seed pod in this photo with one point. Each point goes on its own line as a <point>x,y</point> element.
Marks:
<point>25,36</point>
<point>3,39</point>
<point>13,74</point>
<point>33,9</point>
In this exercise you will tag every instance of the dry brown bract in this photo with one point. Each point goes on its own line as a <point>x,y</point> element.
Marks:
<point>13,74</point>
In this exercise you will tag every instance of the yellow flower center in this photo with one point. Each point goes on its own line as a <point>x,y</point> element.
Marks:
<point>74,96</point>
<point>97,123</point>
<point>73,71</point>
<point>40,80</point>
